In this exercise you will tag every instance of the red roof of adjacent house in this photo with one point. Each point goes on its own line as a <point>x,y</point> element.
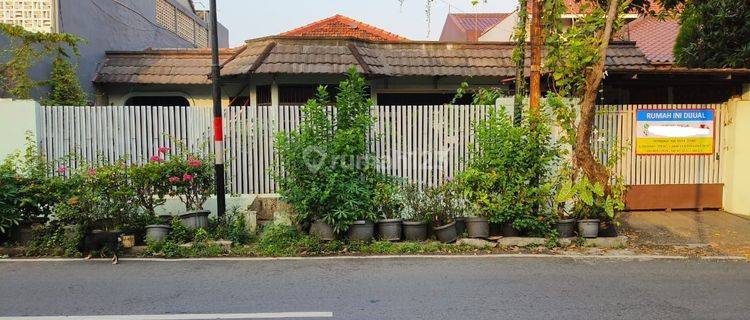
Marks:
<point>339,26</point>
<point>574,7</point>
<point>655,37</point>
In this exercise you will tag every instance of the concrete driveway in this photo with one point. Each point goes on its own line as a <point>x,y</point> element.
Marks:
<point>716,230</point>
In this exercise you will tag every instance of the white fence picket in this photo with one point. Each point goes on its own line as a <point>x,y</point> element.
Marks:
<point>417,143</point>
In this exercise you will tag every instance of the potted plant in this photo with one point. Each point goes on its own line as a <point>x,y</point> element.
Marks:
<point>443,212</point>
<point>322,230</point>
<point>416,213</point>
<point>101,202</point>
<point>388,202</point>
<point>151,184</point>
<point>590,202</point>
<point>191,179</point>
<point>361,230</point>
<point>565,226</point>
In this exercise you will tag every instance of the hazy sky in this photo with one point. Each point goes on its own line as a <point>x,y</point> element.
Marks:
<point>247,19</point>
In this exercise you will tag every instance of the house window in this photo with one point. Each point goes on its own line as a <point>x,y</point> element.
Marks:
<point>157,101</point>
<point>295,95</point>
<point>264,95</point>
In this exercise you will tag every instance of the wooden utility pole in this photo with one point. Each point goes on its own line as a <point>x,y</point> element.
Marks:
<point>535,92</point>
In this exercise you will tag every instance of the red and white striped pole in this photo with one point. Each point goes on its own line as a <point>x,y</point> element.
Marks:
<point>218,122</point>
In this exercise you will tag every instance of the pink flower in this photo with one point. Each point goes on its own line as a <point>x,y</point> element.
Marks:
<point>62,169</point>
<point>194,163</point>
<point>164,150</point>
<point>174,179</point>
<point>91,171</point>
<point>187,177</point>
<point>156,159</point>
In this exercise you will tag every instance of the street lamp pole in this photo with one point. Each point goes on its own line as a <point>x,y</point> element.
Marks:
<point>218,121</point>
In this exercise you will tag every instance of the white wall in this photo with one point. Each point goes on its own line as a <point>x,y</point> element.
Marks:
<point>17,117</point>
<point>503,31</point>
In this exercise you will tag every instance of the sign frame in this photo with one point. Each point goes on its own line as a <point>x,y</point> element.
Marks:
<point>713,132</point>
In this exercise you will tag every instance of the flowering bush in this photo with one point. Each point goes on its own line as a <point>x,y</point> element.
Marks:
<point>100,198</point>
<point>149,183</point>
<point>188,176</point>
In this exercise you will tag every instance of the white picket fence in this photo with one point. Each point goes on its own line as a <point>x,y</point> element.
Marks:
<point>418,143</point>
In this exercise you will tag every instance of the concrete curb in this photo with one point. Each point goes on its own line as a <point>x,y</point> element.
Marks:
<point>395,257</point>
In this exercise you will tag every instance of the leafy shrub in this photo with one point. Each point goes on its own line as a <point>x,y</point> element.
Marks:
<point>34,192</point>
<point>232,227</point>
<point>416,206</point>
<point>388,200</point>
<point>9,191</point>
<point>52,240</point>
<point>328,170</point>
<point>101,198</point>
<point>180,233</point>
<point>280,240</point>
<point>446,203</point>
<point>508,178</point>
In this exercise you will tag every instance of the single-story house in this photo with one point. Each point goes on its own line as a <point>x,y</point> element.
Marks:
<point>285,70</point>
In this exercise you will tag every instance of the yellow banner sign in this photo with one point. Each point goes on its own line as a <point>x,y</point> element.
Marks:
<point>675,132</point>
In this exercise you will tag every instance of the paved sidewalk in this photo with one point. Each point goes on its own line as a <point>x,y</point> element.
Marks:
<point>716,231</point>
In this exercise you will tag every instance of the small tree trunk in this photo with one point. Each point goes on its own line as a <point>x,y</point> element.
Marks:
<point>583,158</point>
<point>520,61</point>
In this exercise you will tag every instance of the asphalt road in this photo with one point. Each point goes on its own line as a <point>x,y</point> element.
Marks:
<point>407,288</point>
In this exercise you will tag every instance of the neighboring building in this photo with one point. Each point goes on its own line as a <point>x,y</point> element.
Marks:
<point>110,25</point>
<point>286,69</point>
<point>32,15</point>
<point>473,27</point>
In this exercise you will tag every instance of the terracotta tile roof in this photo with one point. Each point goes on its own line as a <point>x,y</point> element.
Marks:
<point>344,27</point>
<point>292,55</point>
<point>654,37</point>
<point>151,66</point>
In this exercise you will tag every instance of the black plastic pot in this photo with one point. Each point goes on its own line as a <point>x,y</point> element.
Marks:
<point>588,228</point>
<point>509,230</point>
<point>496,229</point>
<point>195,219</point>
<point>446,233</point>
<point>565,228</point>
<point>157,232</point>
<point>322,230</point>
<point>460,225</point>
<point>415,230</point>
<point>608,230</point>
<point>389,229</point>
<point>478,227</point>
<point>361,230</point>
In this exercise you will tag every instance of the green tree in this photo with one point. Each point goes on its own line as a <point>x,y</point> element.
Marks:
<point>25,49</point>
<point>65,90</point>
<point>714,34</point>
